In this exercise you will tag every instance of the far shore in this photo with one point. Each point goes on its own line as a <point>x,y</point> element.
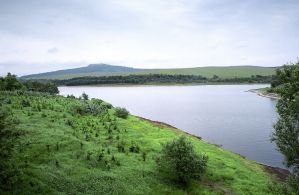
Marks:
<point>160,84</point>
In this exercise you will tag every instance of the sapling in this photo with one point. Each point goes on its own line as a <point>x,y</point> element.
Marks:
<point>113,158</point>
<point>144,156</point>
<point>56,163</point>
<point>57,146</point>
<point>100,156</point>
<point>88,155</point>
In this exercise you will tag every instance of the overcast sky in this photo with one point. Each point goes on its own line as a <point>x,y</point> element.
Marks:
<point>38,36</point>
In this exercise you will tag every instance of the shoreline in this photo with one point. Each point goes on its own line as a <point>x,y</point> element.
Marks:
<point>273,96</point>
<point>280,173</point>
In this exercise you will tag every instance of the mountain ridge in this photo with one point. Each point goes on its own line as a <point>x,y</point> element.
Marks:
<point>102,69</point>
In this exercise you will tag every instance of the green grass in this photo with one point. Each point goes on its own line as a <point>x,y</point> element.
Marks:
<point>67,169</point>
<point>222,72</point>
<point>209,72</point>
<point>263,90</point>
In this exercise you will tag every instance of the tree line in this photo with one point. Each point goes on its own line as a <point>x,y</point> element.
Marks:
<point>11,83</point>
<point>160,79</point>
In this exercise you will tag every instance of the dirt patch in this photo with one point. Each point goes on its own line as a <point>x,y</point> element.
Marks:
<point>281,174</point>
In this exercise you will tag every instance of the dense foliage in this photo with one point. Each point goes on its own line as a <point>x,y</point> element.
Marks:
<point>132,79</point>
<point>179,161</point>
<point>41,87</point>
<point>286,135</point>
<point>159,79</point>
<point>11,83</point>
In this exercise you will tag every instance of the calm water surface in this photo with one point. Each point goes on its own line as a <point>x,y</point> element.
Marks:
<point>226,115</point>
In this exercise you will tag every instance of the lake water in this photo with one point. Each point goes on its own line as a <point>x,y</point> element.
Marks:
<point>226,115</point>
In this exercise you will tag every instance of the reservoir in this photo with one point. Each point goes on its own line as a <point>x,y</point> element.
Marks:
<point>226,115</point>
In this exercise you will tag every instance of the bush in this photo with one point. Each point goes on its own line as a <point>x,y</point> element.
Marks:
<point>134,147</point>
<point>84,96</point>
<point>121,112</point>
<point>106,105</point>
<point>97,101</point>
<point>93,109</point>
<point>25,103</point>
<point>178,161</point>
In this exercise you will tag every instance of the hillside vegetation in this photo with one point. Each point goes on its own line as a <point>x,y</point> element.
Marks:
<point>158,79</point>
<point>66,145</point>
<point>108,70</point>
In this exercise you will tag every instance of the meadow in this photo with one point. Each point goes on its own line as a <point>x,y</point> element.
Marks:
<point>68,145</point>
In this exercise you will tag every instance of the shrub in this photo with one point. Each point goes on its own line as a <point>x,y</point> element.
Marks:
<point>121,146</point>
<point>78,109</point>
<point>106,105</point>
<point>178,161</point>
<point>97,101</point>
<point>84,96</point>
<point>25,103</point>
<point>71,97</point>
<point>134,148</point>
<point>87,109</point>
<point>93,109</point>
<point>121,113</point>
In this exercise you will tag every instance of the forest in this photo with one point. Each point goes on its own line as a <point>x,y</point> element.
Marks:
<point>159,79</point>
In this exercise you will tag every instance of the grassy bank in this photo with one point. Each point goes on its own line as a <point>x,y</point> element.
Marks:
<point>64,149</point>
<point>266,92</point>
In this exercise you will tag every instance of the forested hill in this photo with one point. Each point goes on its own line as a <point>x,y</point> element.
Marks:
<point>96,70</point>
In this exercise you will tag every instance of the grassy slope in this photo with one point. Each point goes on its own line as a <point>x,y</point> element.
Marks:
<point>227,172</point>
<point>223,72</point>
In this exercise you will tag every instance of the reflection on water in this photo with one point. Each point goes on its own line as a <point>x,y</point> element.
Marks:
<point>226,115</point>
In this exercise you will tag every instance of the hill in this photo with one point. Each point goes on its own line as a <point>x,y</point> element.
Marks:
<point>72,146</point>
<point>109,70</point>
<point>90,69</point>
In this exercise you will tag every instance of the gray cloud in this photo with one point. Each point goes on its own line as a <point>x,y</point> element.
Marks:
<point>148,34</point>
<point>53,50</point>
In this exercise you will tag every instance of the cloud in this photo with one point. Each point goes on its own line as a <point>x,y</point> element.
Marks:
<point>53,50</point>
<point>149,33</point>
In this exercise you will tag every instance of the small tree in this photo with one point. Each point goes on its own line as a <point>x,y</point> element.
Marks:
<point>178,161</point>
<point>121,112</point>
<point>84,96</point>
